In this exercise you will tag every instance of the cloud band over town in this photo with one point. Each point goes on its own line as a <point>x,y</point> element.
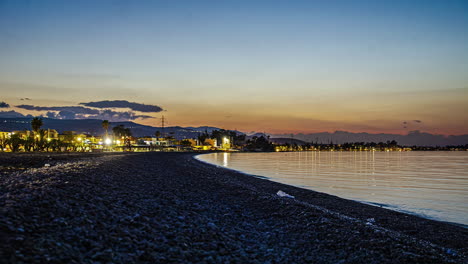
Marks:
<point>95,111</point>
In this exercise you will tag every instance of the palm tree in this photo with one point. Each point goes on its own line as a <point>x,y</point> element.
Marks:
<point>121,132</point>
<point>105,125</point>
<point>36,124</point>
<point>14,142</point>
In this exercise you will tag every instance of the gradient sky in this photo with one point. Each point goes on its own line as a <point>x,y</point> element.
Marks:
<point>274,66</point>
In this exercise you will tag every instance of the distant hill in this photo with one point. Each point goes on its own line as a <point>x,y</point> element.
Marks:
<point>94,127</point>
<point>256,135</point>
<point>202,129</point>
<point>414,138</point>
<point>287,140</point>
<point>278,140</point>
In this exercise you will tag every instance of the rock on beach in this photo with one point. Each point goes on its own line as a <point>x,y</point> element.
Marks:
<point>171,208</point>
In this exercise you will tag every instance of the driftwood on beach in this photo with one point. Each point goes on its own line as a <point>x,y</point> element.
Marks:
<point>169,207</point>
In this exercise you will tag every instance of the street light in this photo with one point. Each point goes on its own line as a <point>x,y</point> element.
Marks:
<point>225,143</point>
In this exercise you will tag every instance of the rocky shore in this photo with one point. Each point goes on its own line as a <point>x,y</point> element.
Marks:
<point>171,208</point>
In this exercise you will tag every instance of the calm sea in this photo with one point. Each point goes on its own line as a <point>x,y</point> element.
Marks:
<point>430,184</point>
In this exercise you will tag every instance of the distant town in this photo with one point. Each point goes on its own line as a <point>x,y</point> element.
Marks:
<point>117,137</point>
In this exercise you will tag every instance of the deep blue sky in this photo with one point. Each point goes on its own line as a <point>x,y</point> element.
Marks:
<point>259,65</point>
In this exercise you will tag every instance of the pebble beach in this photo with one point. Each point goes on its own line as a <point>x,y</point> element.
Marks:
<point>171,208</point>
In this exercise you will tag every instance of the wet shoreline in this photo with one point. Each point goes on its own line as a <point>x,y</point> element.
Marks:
<point>170,207</point>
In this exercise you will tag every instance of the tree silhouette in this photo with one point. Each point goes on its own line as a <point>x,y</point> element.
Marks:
<point>186,143</point>
<point>36,124</point>
<point>15,141</point>
<point>29,144</point>
<point>202,137</point>
<point>3,142</point>
<point>259,144</point>
<point>122,132</point>
<point>105,125</point>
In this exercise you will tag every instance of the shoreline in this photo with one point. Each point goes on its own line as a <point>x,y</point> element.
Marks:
<point>387,206</point>
<point>356,203</point>
<point>172,207</point>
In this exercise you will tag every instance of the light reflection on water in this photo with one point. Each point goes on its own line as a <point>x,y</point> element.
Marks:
<point>431,184</point>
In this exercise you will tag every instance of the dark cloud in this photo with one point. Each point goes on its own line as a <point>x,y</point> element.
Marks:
<point>51,115</point>
<point>66,114</point>
<point>80,112</point>
<point>118,116</point>
<point>142,116</point>
<point>10,114</point>
<point>27,99</point>
<point>405,123</point>
<point>124,104</point>
<point>4,105</point>
<point>74,109</point>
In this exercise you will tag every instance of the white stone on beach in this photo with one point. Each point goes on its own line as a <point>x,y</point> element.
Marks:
<point>283,194</point>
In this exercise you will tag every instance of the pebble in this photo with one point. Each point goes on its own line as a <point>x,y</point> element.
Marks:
<point>126,208</point>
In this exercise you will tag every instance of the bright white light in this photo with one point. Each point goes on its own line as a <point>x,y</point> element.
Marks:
<point>108,141</point>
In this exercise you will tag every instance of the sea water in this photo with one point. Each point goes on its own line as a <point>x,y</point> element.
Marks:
<point>430,184</point>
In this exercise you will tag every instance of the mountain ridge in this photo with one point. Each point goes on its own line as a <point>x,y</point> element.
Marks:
<point>94,127</point>
<point>413,138</point>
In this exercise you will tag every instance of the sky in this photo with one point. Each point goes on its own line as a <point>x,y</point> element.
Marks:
<point>267,66</point>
